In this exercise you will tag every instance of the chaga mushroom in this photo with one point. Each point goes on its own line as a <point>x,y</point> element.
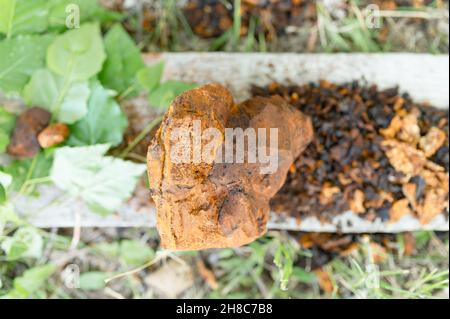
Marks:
<point>204,199</point>
<point>24,142</point>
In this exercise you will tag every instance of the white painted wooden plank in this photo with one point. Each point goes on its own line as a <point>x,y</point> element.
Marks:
<point>424,77</point>
<point>50,210</point>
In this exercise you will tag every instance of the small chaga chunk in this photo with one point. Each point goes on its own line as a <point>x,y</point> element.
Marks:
<point>426,183</point>
<point>410,132</point>
<point>405,128</point>
<point>404,157</point>
<point>399,209</point>
<point>209,203</point>
<point>24,142</point>
<point>53,134</point>
<point>431,142</point>
<point>357,202</point>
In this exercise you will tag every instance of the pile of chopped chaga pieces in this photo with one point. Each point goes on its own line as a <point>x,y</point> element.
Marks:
<point>377,153</point>
<point>425,184</point>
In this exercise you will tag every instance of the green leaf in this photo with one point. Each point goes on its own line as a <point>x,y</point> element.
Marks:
<point>36,167</point>
<point>7,123</point>
<point>104,122</point>
<point>48,90</point>
<point>108,249</point>
<point>23,16</point>
<point>4,141</point>
<point>5,179</point>
<point>122,62</point>
<point>77,54</point>
<point>13,249</point>
<point>7,214</point>
<point>26,242</point>
<point>33,279</point>
<point>19,58</point>
<point>135,253</point>
<point>93,280</point>
<point>7,16</point>
<point>150,77</point>
<point>163,95</point>
<point>103,182</point>
<point>7,120</point>
<point>2,194</point>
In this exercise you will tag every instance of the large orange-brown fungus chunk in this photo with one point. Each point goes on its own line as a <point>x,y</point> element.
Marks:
<point>208,204</point>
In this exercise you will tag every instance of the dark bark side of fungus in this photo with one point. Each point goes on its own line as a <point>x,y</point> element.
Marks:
<point>24,141</point>
<point>216,205</point>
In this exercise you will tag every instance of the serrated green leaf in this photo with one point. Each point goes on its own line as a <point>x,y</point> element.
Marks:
<point>164,94</point>
<point>33,279</point>
<point>135,253</point>
<point>48,90</point>
<point>122,62</point>
<point>104,122</point>
<point>23,16</point>
<point>150,77</point>
<point>93,280</point>
<point>103,182</point>
<point>19,58</point>
<point>77,54</point>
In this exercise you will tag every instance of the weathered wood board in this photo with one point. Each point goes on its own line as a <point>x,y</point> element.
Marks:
<point>425,77</point>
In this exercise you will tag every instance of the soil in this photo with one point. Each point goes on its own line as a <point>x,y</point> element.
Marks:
<point>349,165</point>
<point>286,26</point>
<point>211,18</point>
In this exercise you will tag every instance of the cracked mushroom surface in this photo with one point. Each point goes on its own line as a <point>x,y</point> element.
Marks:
<point>206,203</point>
